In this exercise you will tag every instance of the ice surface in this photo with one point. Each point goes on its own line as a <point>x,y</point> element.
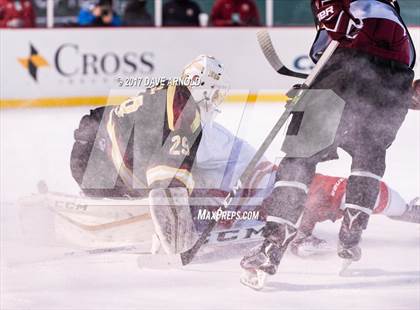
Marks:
<point>36,144</point>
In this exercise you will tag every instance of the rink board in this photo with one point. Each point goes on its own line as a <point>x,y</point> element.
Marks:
<point>71,67</point>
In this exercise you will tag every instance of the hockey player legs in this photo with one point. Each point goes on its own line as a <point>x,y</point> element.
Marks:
<point>326,201</point>
<point>376,90</point>
<point>364,139</point>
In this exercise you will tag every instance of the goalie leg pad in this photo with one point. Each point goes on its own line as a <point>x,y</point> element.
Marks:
<point>171,215</point>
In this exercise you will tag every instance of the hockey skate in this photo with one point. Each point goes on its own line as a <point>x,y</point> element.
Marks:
<point>411,214</point>
<point>259,263</point>
<point>349,255</point>
<point>264,259</point>
<point>304,246</point>
<point>254,279</point>
<point>354,222</point>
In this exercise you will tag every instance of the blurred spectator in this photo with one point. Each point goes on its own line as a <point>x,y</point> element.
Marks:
<point>99,14</point>
<point>235,13</point>
<point>16,14</point>
<point>135,14</point>
<point>180,13</point>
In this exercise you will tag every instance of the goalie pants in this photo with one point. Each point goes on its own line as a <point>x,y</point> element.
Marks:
<point>377,94</point>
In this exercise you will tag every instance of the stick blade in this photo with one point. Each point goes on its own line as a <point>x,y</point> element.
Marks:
<point>264,40</point>
<point>267,48</point>
<point>159,261</point>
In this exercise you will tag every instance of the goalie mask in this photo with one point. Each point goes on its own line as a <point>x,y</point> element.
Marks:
<point>208,85</point>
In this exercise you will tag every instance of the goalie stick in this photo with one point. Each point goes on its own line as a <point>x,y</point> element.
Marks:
<point>270,54</point>
<point>158,261</point>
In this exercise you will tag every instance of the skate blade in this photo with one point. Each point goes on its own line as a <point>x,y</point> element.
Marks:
<point>307,251</point>
<point>253,279</point>
<point>344,268</point>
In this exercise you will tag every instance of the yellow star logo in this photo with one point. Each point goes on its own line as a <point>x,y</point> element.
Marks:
<point>33,62</point>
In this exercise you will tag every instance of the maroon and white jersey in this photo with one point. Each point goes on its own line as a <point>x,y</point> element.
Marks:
<point>382,33</point>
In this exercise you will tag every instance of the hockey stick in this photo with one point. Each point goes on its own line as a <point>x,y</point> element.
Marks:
<point>184,258</point>
<point>270,54</point>
<point>125,249</point>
